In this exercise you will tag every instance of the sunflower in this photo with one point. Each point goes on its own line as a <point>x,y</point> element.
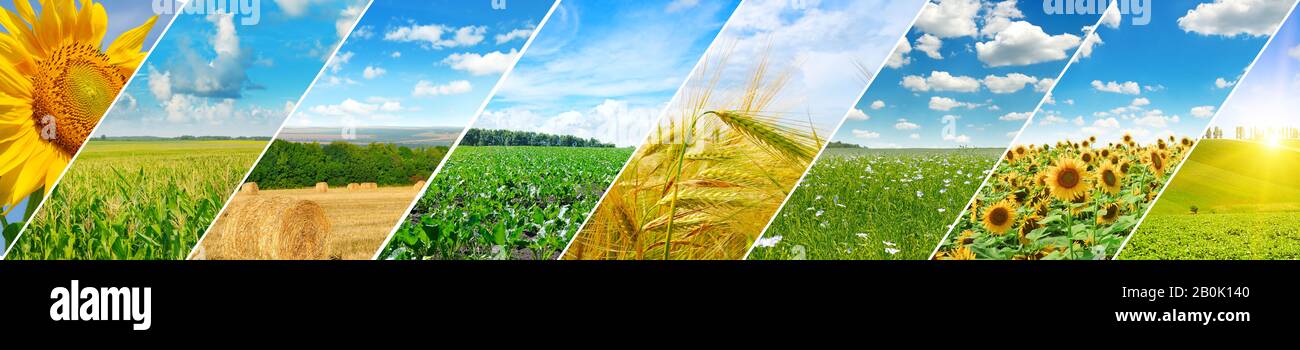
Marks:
<point>966,237</point>
<point>1010,156</point>
<point>1109,214</point>
<point>1086,144</point>
<point>1027,226</point>
<point>999,218</point>
<point>54,77</point>
<point>1087,157</point>
<point>1066,179</point>
<point>1128,138</point>
<point>1124,166</point>
<point>1156,159</point>
<point>1109,179</point>
<point>961,253</point>
<point>1021,151</point>
<point>1186,142</point>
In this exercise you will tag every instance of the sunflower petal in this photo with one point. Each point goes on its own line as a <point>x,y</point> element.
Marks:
<point>25,10</point>
<point>125,50</point>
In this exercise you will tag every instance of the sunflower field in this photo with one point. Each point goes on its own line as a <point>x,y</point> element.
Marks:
<point>1068,201</point>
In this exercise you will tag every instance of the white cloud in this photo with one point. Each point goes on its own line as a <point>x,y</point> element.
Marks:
<point>495,62</point>
<point>914,136</point>
<point>1015,116</point>
<point>396,54</point>
<point>930,45</point>
<point>1022,43</point>
<point>1294,52</point>
<point>899,57</point>
<point>1236,17</point>
<point>865,134</point>
<point>903,124</point>
<point>1089,42</point>
<point>160,84</point>
<point>999,16</point>
<point>858,114</point>
<point>1156,119</point>
<point>878,105</point>
<point>680,5</point>
<point>956,138</point>
<point>424,88</point>
<point>339,60</point>
<point>1224,83</point>
<point>1140,101</point>
<point>612,121</point>
<point>947,104</point>
<point>1112,16</point>
<point>517,34</point>
<point>941,81</point>
<point>1203,111</point>
<point>1050,119</point>
<point>1078,121</point>
<point>372,72</point>
<point>1011,83</point>
<point>1128,87</point>
<point>348,19</point>
<point>350,108</point>
<point>949,18</point>
<point>1045,85</point>
<point>437,36</point>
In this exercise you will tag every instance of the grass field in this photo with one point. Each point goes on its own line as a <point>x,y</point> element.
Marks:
<point>136,200</point>
<point>360,220</point>
<point>858,204</point>
<point>495,202</point>
<point>1247,206</point>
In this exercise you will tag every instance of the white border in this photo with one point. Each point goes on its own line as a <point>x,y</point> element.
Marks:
<point>470,125</point>
<point>90,136</point>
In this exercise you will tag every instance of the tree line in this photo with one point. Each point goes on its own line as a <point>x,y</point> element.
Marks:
<point>288,165</point>
<point>481,137</point>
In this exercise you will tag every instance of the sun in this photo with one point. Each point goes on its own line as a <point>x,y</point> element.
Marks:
<point>55,84</point>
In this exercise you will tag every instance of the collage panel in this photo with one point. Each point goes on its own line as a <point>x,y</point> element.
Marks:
<point>183,134</point>
<point>372,130</point>
<point>536,161</point>
<point>743,130</point>
<point>928,131</point>
<point>1094,157</point>
<point>62,64</point>
<point>1236,197</point>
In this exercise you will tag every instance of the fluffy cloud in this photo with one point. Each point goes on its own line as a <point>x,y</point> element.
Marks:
<point>612,121</point>
<point>1112,16</point>
<point>1156,119</point>
<point>949,18</point>
<point>517,34</point>
<point>1015,116</point>
<point>1235,17</point>
<point>947,104</point>
<point>372,72</point>
<point>899,58</point>
<point>999,16</point>
<point>1203,111</point>
<point>437,36</point>
<point>1089,42</point>
<point>1224,83</point>
<point>425,88</point>
<point>1022,43</point>
<point>941,81</point>
<point>495,62</point>
<point>1011,83</point>
<point>348,19</point>
<point>1128,87</point>
<point>224,76</point>
<point>930,45</point>
<point>1140,101</point>
<point>339,60</point>
<point>865,134</point>
<point>903,124</point>
<point>858,114</point>
<point>1045,85</point>
<point>956,138</point>
<point>878,105</point>
<point>376,109</point>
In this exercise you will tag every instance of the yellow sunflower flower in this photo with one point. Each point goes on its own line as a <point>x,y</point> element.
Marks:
<point>55,84</point>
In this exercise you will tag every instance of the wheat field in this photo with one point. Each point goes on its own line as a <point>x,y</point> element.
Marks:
<point>360,220</point>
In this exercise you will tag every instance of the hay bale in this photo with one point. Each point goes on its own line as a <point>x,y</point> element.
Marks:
<point>354,186</point>
<point>419,185</point>
<point>370,186</point>
<point>249,188</point>
<point>322,187</point>
<point>275,228</point>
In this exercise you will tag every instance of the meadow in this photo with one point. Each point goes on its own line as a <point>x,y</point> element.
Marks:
<point>709,179</point>
<point>136,200</point>
<point>506,203</point>
<point>1233,200</point>
<point>867,204</point>
<point>1067,201</point>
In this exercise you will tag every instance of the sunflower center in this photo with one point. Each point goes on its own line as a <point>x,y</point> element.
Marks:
<point>999,216</point>
<point>1109,178</point>
<point>71,91</point>
<point>1068,178</point>
<point>1112,211</point>
<point>1156,161</point>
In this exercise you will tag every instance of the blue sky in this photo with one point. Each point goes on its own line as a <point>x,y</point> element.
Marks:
<point>214,76</point>
<point>420,64</point>
<point>1165,78</point>
<point>962,79</point>
<point>606,69</point>
<point>1267,96</point>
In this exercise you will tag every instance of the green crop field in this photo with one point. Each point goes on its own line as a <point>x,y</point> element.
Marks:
<point>136,200</point>
<point>875,204</point>
<point>1232,200</point>
<point>498,202</point>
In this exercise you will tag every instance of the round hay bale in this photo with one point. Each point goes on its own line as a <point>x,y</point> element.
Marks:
<point>419,185</point>
<point>370,186</point>
<point>276,228</point>
<point>249,188</point>
<point>354,186</point>
<point>322,187</point>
